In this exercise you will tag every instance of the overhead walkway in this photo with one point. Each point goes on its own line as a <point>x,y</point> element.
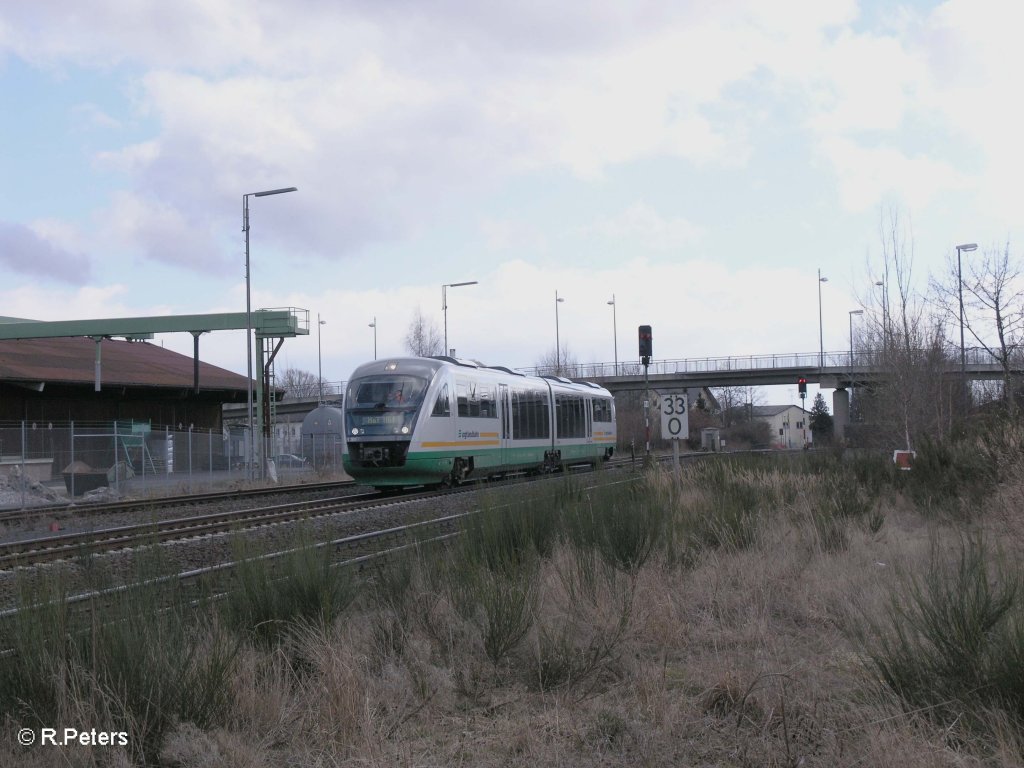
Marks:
<point>830,370</point>
<point>839,371</point>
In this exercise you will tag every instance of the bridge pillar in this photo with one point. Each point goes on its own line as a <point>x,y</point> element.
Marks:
<point>840,413</point>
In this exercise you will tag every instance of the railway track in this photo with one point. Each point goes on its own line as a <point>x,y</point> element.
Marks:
<point>45,549</point>
<point>212,583</point>
<point>50,548</point>
<point>156,502</point>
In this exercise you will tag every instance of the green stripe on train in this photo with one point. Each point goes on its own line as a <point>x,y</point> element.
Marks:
<point>426,467</point>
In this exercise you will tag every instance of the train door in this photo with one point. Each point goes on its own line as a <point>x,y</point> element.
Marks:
<point>506,423</point>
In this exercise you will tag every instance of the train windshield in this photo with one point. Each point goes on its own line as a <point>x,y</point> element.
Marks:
<point>385,392</point>
<point>383,405</point>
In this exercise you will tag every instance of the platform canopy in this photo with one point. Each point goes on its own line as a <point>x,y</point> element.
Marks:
<point>277,323</point>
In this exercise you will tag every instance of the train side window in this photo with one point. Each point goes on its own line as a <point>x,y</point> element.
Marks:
<point>572,416</point>
<point>602,409</point>
<point>474,400</point>
<point>462,388</point>
<point>487,405</point>
<point>517,414</point>
<point>442,407</point>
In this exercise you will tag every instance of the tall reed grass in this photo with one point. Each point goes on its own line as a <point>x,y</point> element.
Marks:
<point>647,591</point>
<point>949,646</point>
<point>268,598</point>
<point>139,659</point>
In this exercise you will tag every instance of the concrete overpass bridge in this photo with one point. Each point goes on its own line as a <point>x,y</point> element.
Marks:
<point>829,370</point>
<point>839,371</point>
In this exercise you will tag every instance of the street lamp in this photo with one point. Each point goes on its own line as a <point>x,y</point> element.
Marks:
<point>558,359</point>
<point>444,306</point>
<point>821,327</point>
<point>374,326</point>
<point>852,313</point>
<point>249,459</point>
<point>319,366</point>
<point>615,334</point>
<point>968,247</point>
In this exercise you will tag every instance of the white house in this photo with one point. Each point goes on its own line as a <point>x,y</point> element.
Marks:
<point>789,425</point>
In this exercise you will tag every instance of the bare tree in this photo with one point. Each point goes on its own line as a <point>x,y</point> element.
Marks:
<point>993,308</point>
<point>736,403</point>
<point>423,339</point>
<point>562,364</point>
<point>298,383</point>
<point>906,345</point>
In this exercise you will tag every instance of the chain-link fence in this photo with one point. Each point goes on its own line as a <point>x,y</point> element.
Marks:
<point>43,463</point>
<point>323,451</point>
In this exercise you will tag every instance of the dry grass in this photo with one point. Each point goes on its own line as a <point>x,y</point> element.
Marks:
<point>716,655</point>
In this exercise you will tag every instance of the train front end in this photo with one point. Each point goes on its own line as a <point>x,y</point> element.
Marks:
<point>383,403</point>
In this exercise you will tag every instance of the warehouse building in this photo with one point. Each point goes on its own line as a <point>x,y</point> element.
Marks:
<point>65,400</point>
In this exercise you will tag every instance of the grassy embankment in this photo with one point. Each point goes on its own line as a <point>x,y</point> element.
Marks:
<point>812,610</point>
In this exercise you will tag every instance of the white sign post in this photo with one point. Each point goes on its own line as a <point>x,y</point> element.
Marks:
<point>675,419</point>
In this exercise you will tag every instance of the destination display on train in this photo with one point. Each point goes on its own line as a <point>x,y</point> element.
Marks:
<point>387,418</point>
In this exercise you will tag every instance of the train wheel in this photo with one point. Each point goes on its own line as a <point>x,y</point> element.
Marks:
<point>459,472</point>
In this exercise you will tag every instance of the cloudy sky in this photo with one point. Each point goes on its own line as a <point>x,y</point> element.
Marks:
<point>700,162</point>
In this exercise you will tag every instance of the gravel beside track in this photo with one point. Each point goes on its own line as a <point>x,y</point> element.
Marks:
<point>85,570</point>
<point>205,550</point>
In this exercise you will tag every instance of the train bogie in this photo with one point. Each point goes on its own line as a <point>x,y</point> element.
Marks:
<point>427,421</point>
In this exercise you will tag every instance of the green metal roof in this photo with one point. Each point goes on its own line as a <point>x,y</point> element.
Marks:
<point>281,323</point>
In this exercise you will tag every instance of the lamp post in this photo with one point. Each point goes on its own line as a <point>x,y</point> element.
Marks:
<point>444,306</point>
<point>967,247</point>
<point>852,313</point>
<point>558,350</point>
<point>319,359</point>
<point>374,326</point>
<point>821,327</point>
<point>249,459</point>
<point>615,334</point>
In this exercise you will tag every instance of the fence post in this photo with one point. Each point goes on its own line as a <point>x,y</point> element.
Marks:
<point>23,478</point>
<point>209,450</point>
<point>72,462</point>
<point>117,485</point>
<point>190,458</point>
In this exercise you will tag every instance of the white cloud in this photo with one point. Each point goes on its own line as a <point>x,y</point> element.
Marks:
<point>513,235</point>
<point>975,58</point>
<point>162,233</point>
<point>38,251</point>
<point>869,175</point>
<point>37,302</point>
<point>643,227</point>
<point>389,115</point>
<point>91,116</point>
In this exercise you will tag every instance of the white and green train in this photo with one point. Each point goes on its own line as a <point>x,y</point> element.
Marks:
<point>438,420</point>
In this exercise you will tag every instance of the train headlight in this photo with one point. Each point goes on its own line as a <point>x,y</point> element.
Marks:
<point>405,430</point>
<point>355,430</point>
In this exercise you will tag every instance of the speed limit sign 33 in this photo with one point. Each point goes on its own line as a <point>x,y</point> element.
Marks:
<point>675,420</point>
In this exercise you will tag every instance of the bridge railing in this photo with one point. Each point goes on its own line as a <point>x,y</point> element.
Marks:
<point>809,361</point>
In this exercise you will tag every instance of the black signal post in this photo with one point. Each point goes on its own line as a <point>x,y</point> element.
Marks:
<point>646,352</point>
